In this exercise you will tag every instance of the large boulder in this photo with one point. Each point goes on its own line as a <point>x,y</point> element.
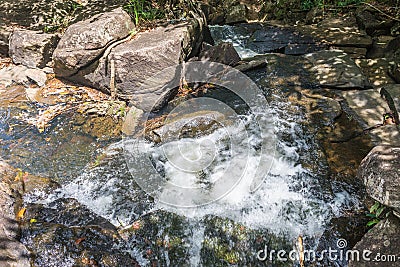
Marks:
<point>380,172</point>
<point>142,57</point>
<point>335,69</point>
<point>32,48</point>
<point>379,247</point>
<point>84,42</point>
<point>373,22</point>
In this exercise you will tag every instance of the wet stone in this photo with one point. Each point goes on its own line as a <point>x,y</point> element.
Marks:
<point>58,245</point>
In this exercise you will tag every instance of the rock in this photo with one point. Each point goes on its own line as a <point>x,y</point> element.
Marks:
<point>12,252</point>
<point>394,72</point>
<point>132,120</point>
<point>353,52</point>
<point>21,75</point>
<point>373,23</point>
<point>379,171</point>
<point>52,15</point>
<point>223,53</point>
<point>31,48</point>
<point>84,42</point>
<point>394,91</point>
<point>376,70</point>
<point>58,245</point>
<point>189,125</point>
<point>143,57</point>
<point>395,30</point>
<point>251,64</point>
<point>235,14</point>
<point>282,40</point>
<point>368,105</point>
<point>351,229</point>
<point>338,32</point>
<point>381,241</point>
<point>5,33</point>
<point>379,47</point>
<point>369,108</point>
<point>335,69</point>
<point>64,231</point>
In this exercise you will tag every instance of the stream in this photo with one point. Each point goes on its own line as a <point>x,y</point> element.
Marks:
<point>220,215</point>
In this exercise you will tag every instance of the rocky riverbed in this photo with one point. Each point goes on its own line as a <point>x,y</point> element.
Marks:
<point>282,135</point>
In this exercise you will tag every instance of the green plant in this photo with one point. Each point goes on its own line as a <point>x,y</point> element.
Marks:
<point>143,10</point>
<point>376,213</point>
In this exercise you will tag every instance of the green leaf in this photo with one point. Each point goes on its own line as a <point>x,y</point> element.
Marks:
<point>374,207</point>
<point>379,211</point>
<point>371,215</point>
<point>373,222</point>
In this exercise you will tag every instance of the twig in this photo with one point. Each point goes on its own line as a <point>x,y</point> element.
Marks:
<point>112,80</point>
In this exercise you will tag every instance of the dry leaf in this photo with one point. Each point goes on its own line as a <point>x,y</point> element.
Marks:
<point>21,213</point>
<point>79,240</point>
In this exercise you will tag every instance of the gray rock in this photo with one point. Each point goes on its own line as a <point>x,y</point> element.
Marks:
<point>338,32</point>
<point>12,252</point>
<point>376,70</point>
<point>32,48</point>
<point>187,125</point>
<point>21,75</point>
<point>52,15</point>
<point>251,64</point>
<point>380,172</point>
<point>381,241</point>
<point>368,105</point>
<point>142,58</point>
<point>369,108</point>
<point>131,120</point>
<point>5,33</point>
<point>223,53</point>
<point>373,23</point>
<point>235,14</point>
<point>335,69</point>
<point>394,92</point>
<point>84,42</point>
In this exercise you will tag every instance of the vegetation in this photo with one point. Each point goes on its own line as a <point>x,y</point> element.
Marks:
<point>376,213</point>
<point>143,10</point>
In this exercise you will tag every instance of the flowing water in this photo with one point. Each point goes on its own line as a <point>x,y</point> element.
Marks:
<point>296,196</point>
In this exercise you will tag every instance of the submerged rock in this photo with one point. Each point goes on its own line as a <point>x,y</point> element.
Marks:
<point>189,125</point>
<point>84,42</point>
<point>229,243</point>
<point>65,233</point>
<point>32,48</point>
<point>380,173</point>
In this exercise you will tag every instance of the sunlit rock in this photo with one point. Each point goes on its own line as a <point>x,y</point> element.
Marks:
<point>380,173</point>
<point>84,42</point>
<point>335,69</point>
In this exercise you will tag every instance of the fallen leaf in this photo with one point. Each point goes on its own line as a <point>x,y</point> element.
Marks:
<point>33,221</point>
<point>21,213</point>
<point>79,240</point>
